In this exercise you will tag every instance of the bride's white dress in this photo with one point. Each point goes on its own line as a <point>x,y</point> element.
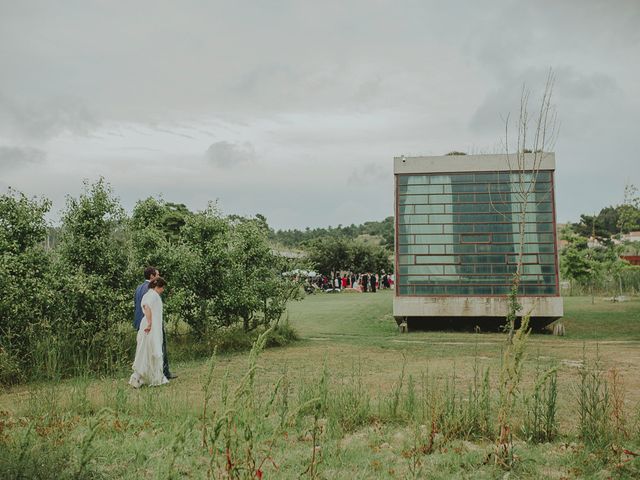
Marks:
<point>147,366</point>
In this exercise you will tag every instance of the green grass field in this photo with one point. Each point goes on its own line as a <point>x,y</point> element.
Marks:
<point>352,399</point>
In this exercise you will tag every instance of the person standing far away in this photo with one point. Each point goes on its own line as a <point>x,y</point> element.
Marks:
<point>364,281</point>
<point>373,280</point>
<point>148,363</point>
<point>150,274</point>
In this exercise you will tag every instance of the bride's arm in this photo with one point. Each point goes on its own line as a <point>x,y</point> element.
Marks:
<point>148,316</point>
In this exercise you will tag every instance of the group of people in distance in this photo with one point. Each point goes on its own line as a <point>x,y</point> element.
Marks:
<point>151,363</point>
<point>364,282</point>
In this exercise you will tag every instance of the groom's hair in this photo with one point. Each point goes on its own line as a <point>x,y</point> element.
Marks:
<point>149,271</point>
<point>157,282</point>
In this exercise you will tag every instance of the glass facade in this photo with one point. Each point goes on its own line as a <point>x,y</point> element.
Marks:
<point>460,233</point>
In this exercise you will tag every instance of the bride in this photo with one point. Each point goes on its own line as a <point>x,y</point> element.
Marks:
<point>147,366</point>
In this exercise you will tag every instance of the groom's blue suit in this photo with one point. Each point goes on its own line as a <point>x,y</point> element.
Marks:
<point>139,315</point>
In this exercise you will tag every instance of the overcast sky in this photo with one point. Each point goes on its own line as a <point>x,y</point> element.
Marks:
<point>295,109</point>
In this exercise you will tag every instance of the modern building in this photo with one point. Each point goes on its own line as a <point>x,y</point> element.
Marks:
<point>458,236</point>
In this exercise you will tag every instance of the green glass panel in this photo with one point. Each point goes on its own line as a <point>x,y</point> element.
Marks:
<point>429,290</point>
<point>406,259</point>
<point>528,237</point>
<point>420,189</point>
<point>542,187</point>
<point>467,259</point>
<point>439,199</point>
<point>459,290</point>
<point>410,229</point>
<point>525,259</point>
<point>492,227</point>
<point>413,199</point>
<point>437,179</point>
<point>547,269</point>
<point>462,178</point>
<point>487,177</point>
<point>468,238</point>
<point>491,248</point>
<point>547,259</point>
<point>413,179</point>
<point>505,208</point>
<point>404,290</point>
<point>437,249</point>
<point>542,248</point>
<point>437,239</point>
<point>434,259</point>
<point>463,198</point>
<point>430,208</point>
<point>482,269</point>
<point>510,269</point>
<point>460,249</point>
<point>546,248</point>
<point>408,219</point>
<point>422,269</point>
<point>405,239</point>
<point>402,209</point>
<point>539,290</point>
<point>413,249</point>
<point>530,279</point>
<point>442,279</point>
<point>498,290</point>
<point>478,279</point>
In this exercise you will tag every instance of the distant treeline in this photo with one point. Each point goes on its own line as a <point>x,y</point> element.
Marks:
<point>609,222</point>
<point>299,238</point>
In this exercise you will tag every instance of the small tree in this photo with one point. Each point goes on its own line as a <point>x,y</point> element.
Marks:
<point>92,275</point>
<point>537,138</point>
<point>93,234</point>
<point>24,290</point>
<point>206,236</point>
<point>629,211</point>
<point>329,254</point>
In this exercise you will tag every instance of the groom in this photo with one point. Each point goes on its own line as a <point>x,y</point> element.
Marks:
<point>150,273</point>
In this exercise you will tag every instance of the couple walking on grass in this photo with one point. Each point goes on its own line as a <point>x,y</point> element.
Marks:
<point>151,365</point>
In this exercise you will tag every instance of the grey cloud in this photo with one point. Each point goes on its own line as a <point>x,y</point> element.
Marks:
<point>45,119</point>
<point>226,154</point>
<point>571,86</point>
<point>17,156</point>
<point>367,174</point>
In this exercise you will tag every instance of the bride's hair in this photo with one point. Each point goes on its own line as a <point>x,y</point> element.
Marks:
<point>157,282</point>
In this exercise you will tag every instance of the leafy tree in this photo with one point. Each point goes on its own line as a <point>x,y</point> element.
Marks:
<point>629,211</point>
<point>22,223</point>
<point>600,227</point>
<point>369,258</point>
<point>91,275</point>
<point>329,255</point>
<point>24,289</point>
<point>256,291</point>
<point>206,237</point>
<point>575,263</point>
<point>612,220</point>
<point>92,240</point>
